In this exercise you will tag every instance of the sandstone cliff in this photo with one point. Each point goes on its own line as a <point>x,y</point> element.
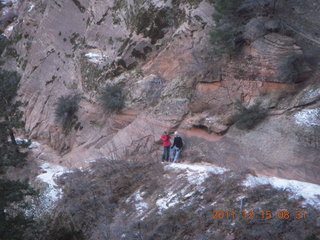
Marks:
<point>159,51</point>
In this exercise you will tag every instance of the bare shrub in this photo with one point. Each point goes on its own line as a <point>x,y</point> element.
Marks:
<point>95,206</point>
<point>248,117</point>
<point>112,98</point>
<point>65,112</point>
<point>91,197</point>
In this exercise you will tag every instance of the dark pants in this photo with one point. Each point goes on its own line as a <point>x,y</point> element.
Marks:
<point>166,153</point>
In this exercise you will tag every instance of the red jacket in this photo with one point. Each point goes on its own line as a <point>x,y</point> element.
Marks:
<point>166,141</point>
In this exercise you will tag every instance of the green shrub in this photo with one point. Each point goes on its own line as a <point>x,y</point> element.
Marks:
<point>227,34</point>
<point>65,112</point>
<point>112,98</point>
<point>225,39</point>
<point>248,117</point>
<point>226,8</point>
<point>4,42</point>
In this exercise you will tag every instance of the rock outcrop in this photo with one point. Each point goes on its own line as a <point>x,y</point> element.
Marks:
<point>159,51</point>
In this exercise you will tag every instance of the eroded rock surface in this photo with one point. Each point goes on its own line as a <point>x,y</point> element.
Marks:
<point>159,51</point>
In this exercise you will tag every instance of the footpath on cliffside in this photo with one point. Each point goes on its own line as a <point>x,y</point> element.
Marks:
<point>196,173</point>
<point>201,195</point>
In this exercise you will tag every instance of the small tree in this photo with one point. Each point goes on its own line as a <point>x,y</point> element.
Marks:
<point>112,98</point>
<point>65,112</point>
<point>225,39</point>
<point>227,34</point>
<point>226,9</point>
<point>13,222</point>
<point>10,115</point>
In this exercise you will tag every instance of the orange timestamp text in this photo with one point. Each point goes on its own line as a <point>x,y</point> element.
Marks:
<point>266,214</point>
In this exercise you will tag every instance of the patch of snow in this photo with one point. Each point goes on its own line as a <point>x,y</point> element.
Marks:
<point>46,202</point>
<point>21,141</point>
<point>141,207</point>
<point>51,172</point>
<point>308,117</point>
<point>313,93</point>
<point>7,32</point>
<point>196,168</point>
<point>160,4</point>
<point>197,178</point>
<point>95,57</point>
<point>31,7</point>
<point>24,141</point>
<point>34,145</point>
<point>196,173</point>
<point>169,201</point>
<point>240,198</point>
<point>9,1</point>
<point>138,197</point>
<point>6,9</point>
<point>190,194</point>
<point>309,191</point>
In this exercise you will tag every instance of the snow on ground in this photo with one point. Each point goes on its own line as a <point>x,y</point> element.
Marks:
<point>313,93</point>
<point>9,1</point>
<point>141,207</point>
<point>96,57</point>
<point>308,117</point>
<point>168,201</point>
<point>23,140</point>
<point>6,9</point>
<point>138,197</point>
<point>196,178</point>
<point>196,173</point>
<point>52,192</point>
<point>31,7</point>
<point>34,145</point>
<point>309,191</point>
<point>196,168</point>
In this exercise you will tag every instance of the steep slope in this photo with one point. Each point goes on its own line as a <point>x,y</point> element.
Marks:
<point>144,200</point>
<point>159,51</point>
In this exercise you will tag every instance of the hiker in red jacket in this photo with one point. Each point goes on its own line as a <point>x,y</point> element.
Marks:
<point>166,146</point>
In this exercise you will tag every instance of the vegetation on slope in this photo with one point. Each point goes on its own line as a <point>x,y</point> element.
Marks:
<point>13,222</point>
<point>97,204</point>
<point>65,112</point>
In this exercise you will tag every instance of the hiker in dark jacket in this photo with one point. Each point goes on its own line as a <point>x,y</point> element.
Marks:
<point>176,148</point>
<point>166,146</point>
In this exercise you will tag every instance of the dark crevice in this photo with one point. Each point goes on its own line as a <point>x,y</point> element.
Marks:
<point>202,127</point>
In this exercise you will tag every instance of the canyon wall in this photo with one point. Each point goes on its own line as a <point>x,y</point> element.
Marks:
<point>159,52</point>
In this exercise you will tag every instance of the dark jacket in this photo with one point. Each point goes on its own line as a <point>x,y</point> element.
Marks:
<point>177,142</point>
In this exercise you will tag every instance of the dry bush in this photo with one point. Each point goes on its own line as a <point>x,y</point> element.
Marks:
<point>92,197</point>
<point>65,111</point>
<point>248,117</point>
<point>176,224</point>
<point>112,98</point>
<point>94,207</point>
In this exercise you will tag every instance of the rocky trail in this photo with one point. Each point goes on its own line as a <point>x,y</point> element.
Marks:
<point>183,180</point>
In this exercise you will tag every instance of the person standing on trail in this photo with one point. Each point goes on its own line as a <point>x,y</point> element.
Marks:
<point>176,148</point>
<point>166,146</point>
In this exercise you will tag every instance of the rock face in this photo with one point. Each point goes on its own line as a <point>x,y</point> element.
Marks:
<point>272,58</point>
<point>159,51</point>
